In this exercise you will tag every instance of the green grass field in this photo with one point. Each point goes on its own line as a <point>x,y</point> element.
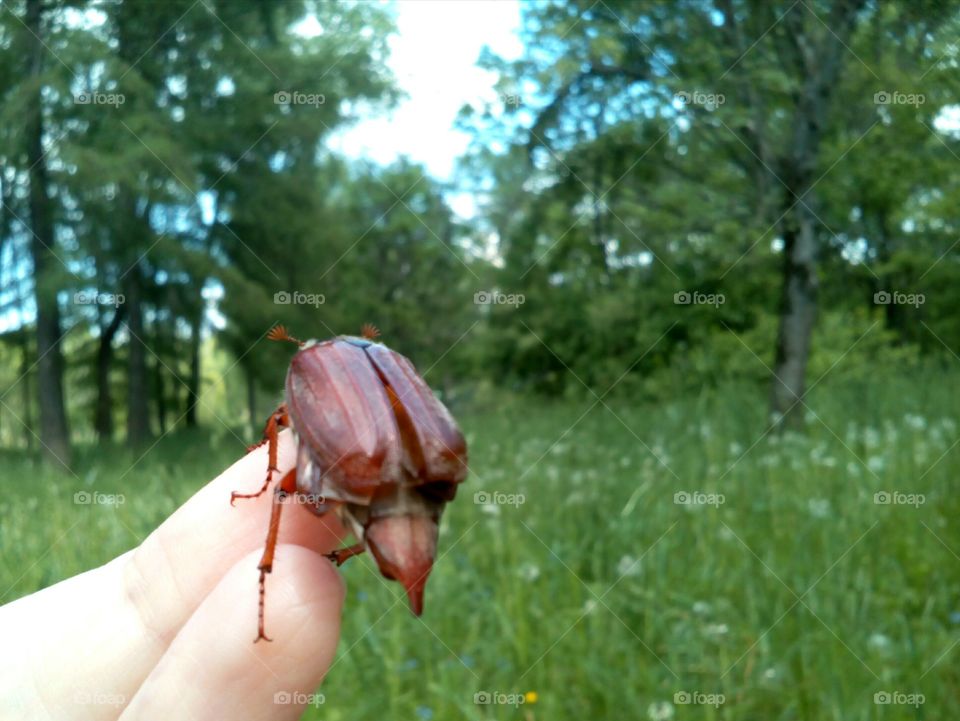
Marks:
<point>591,592</point>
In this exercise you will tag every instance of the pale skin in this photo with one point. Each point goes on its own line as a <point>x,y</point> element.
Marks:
<point>166,630</point>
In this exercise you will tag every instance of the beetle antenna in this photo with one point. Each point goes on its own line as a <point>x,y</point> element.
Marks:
<point>370,331</point>
<point>279,333</point>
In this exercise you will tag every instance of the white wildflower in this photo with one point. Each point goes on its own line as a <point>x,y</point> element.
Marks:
<point>917,423</point>
<point>660,711</point>
<point>529,572</point>
<point>715,629</point>
<point>819,507</point>
<point>628,566</point>
<point>879,642</point>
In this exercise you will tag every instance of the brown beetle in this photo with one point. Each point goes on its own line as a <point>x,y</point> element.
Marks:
<point>375,445</point>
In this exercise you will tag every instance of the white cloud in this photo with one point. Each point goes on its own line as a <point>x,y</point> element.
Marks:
<point>433,56</point>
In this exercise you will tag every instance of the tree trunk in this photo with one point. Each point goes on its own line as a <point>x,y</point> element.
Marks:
<point>798,312</point>
<point>193,383</point>
<point>25,386</point>
<point>103,416</point>
<point>161,400</point>
<point>54,431</point>
<point>138,411</point>
<point>256,423</point>
<point>820,64</point>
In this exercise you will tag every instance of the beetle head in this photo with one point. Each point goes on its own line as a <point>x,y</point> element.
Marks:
<point>400,528</point>
<point>404,547</point>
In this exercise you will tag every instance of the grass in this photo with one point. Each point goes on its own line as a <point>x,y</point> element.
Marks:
<point>796,597</point>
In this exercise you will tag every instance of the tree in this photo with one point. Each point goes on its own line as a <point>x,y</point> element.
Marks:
<point>54,430</point>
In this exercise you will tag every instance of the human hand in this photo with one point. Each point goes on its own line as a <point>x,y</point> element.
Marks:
<point>166,630</point>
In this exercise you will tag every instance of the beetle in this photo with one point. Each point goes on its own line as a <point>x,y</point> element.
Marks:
<point>374,445</point>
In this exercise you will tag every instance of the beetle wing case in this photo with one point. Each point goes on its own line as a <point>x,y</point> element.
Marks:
<point>435,449</point>
<point>343,415</point>
<point>365,417</point>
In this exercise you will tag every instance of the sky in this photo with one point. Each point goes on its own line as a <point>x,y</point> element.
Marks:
<point>433,57</point>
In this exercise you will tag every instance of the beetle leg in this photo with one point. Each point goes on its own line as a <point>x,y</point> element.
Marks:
<point>287,485</point>
<point>278,419</point>
<point>342,554</point>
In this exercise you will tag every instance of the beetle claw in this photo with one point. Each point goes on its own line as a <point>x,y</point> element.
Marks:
<point>340,555</point>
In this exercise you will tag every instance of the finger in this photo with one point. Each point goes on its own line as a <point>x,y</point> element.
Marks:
<point>214,670</point>
<point>122,616</point>
<point>180,563</point>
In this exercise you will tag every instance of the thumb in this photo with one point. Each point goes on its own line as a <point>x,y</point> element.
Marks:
<point>214,670</point>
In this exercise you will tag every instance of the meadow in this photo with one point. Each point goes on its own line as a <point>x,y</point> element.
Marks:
<point>609,560</point>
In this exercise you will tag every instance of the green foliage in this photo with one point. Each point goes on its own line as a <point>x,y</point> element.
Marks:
<point>646,148</point>
<point>599,592</point>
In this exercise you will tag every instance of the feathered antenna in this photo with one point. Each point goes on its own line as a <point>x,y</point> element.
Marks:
<point>279,332</point>
<point>369,331</point>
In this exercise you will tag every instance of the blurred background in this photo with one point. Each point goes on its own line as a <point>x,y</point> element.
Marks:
<point>686,273</point>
